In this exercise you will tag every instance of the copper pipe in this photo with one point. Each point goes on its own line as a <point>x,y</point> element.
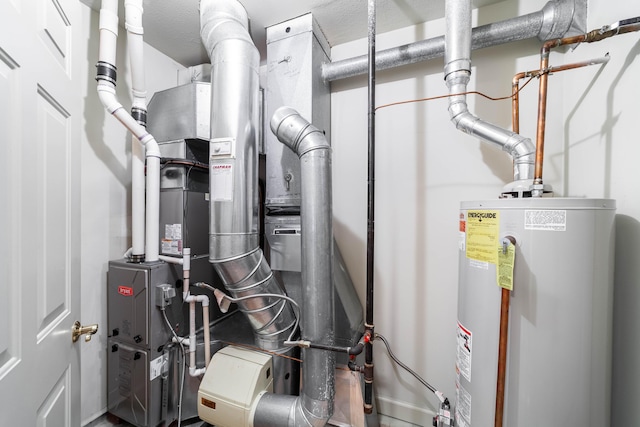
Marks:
<point>515,101</point>
<point>515,84</point>
<point>502,356</point>
<point>621,27</point>
<point>502,350</point>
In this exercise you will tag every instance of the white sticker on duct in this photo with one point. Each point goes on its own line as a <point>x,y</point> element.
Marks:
<point>463,406</point>
<point>156,367</point>
<point>551,220</point>
<point>463,353</point>
<point>222,182</point>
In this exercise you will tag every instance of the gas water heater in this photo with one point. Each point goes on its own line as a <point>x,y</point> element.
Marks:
<point>558,358</point>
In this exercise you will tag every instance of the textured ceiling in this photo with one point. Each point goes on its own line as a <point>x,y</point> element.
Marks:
<point>172,26</point>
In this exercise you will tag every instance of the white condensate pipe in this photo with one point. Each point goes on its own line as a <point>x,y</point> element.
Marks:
<point>133,24</point>
<point>107,93</point>
<point>185,261</point>
<point>457,73</point>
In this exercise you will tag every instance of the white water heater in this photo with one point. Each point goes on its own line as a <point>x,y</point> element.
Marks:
<point>559,341</point>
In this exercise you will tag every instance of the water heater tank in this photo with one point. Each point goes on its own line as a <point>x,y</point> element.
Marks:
<point>559,340</point>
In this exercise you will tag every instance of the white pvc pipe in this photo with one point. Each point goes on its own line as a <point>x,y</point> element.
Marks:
<point>107,95</point>
<point>171,259</point>
<point>133,24</point>
<point>108,31</point>
<point>204,300</point>
<point>207,333</point>
<point>192,300</point>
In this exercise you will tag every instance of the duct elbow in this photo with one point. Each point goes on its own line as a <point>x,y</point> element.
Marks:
<point>223,20</point>
<point>297,133</point>
<point>522,150</point>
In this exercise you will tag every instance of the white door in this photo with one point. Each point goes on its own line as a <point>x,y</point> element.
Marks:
<point>40,123</point>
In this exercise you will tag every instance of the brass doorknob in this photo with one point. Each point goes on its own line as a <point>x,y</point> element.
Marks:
<point>78,330</point>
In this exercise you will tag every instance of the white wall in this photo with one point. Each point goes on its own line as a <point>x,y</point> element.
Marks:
<point>106,192</point>
<point>425,168</point>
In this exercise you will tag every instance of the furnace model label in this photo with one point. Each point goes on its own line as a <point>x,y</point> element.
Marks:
<point>552,220</point>
<point>463,356</point>
<point>482,229</point>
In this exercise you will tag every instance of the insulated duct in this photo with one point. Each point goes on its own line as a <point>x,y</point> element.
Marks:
<point>553,21</point>
<point>233,226</point>
<point>457,72</point>
<point>314,406</point>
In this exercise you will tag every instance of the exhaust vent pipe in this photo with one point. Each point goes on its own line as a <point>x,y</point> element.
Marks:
<point>233,227</point>
<point>457,72</point>
<point>314,406</point>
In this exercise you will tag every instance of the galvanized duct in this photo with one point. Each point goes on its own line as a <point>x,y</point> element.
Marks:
<point>314,406</point>
<point>457,72</point>
<point>553,21</point>
<point>233,227</point>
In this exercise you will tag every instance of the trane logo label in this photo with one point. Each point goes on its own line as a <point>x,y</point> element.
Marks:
<point>221,167</point>
<point>482,215</point>
<point>125,290</point>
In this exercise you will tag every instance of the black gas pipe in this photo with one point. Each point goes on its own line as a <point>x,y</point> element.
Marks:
<point>369,325</point>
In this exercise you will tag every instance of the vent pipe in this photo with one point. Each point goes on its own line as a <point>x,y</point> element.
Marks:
<point>233,179</point>
<point>133,24</point>
<point>555,19</point>
<point>314,406</point>
<point>106,77</point>
<point>457,72</point>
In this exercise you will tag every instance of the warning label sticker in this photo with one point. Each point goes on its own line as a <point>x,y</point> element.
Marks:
<point>157,366</point>
<point>552,220</point>
<point>222,182</point>
<point>463,354</point>
<point>482,230</point>
<point>463,406</point>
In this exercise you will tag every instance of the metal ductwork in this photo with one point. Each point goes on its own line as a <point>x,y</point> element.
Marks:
<point>556,19</point>
<point>233,166</point>
<point>314,406</point>
<point>457,72</point>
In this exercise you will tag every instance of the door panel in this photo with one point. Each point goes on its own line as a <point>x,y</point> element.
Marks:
<point>40,124</point>
<point>9,131</point>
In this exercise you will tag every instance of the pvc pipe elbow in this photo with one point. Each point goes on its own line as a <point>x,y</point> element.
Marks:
<point>151,146</point>
<point>196,372</point>
<point>107,96</point>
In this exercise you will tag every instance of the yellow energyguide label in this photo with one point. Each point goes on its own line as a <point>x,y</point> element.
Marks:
<point>482,228</point>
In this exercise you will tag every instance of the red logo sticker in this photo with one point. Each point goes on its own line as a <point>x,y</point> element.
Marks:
<point>125,290</point>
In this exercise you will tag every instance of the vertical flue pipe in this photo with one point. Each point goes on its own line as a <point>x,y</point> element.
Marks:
<point>106,77</point>
<point>457,73</point>
<point>133,25</point>
<point>314,407</point>
<point>233,178</point>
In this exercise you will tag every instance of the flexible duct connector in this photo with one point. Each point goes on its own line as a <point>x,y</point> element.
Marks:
<point>457,72</point>
<point>233,221</point>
